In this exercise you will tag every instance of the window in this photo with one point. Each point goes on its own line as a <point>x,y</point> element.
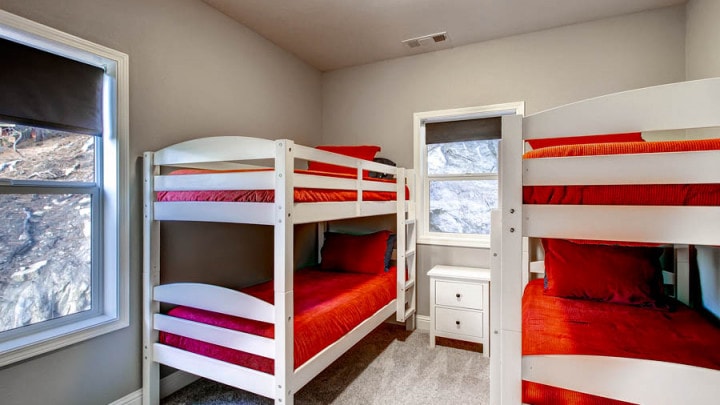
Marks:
<point>63,189</point>
<point>456,156</point>
<point>462,180</point>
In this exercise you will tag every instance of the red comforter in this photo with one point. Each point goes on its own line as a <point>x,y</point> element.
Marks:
<point>302,195</point>
<point>327,306</point>
<point>554,325</point>
<point>655,194</point>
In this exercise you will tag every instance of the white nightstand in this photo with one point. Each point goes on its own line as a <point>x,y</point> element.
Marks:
<point>460,304</point>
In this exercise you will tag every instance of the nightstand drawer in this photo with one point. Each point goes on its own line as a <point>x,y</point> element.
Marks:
<point>459,321</point>
<point>461,295</point>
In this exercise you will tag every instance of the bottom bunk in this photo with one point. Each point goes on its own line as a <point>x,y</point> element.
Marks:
<point>328,305</point>
<point>229,336</point>
<point>635,348</point>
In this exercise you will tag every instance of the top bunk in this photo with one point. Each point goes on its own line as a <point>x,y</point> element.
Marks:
<point>252,180</point>
<point>628,176</point>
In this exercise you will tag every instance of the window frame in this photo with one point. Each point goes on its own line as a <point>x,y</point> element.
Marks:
<point>422,196</point>
<point>111,157</point>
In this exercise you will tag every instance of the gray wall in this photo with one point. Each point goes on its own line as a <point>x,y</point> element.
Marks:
<point>193,72</point>
<point>374,103</point>
<point>703,31</point>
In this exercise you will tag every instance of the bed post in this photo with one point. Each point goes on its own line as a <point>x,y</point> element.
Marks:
<point>322,227</point>
<point>283,272</point>
<point>151,277</point>
<point>508,286</point>
<point>495,274</point>
<point>682,273</point>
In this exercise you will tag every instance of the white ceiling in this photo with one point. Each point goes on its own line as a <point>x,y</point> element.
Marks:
<point>332,34</point>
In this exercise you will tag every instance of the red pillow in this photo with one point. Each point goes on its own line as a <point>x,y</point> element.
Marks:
<point>578,140</point>
<point>619,274</point>
<point>366,152</point>
<point>355,253</point>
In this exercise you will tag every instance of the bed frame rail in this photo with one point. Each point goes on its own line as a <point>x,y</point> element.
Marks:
<point>262,180</point>
<point>311,368</point>
<point>248,379</point>
<point>685,105</point>
<point>692,225</point>
<point>308,153</point>
<point>229,338</point>
<point>216,299</point>
<point>215,211</point>
<point>650,168</point>
<point>632,380</point>
<point>215,149</point>
<point>329,211</point>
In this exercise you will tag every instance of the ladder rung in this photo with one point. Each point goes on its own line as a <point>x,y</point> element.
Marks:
<point>409,283</point>
<point>409,253</point>
<point>410,221</point>
<point>409,312</point>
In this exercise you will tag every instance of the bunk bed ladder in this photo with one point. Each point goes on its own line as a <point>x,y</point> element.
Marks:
<point>406,253</point>
<point>409,285</point>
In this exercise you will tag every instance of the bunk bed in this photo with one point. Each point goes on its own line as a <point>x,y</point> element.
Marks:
<point>273,338</point>
<point>664,355</point>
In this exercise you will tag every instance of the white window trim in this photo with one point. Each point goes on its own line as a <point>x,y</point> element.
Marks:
<point>420,151</point>
<point>115,266</point>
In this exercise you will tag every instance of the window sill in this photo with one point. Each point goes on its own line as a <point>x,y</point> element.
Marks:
<point>483,243</point>
<point>42,342</point>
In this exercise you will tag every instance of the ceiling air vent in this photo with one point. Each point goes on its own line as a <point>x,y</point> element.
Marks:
<point>428,43</point>
<point>439,37</point>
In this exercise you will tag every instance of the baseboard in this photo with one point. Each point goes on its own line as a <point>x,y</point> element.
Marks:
<point>175,382</point>
<point>422,322</point>
<point>168,385</point>
<point>134,398</point>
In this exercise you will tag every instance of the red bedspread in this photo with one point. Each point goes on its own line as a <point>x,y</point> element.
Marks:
<point>554,325</point>
<point>327,306</point>
<point>656,194</point>
<point>302,195</point>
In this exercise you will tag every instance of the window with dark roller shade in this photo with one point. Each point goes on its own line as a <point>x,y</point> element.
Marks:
<point>64,205</point>
<point>45,90</point>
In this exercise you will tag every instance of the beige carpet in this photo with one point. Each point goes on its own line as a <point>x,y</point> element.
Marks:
<point>389,366</point>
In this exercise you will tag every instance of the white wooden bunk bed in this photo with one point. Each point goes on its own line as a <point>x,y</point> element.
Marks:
<point>678,106</point>
<point>233,156</point>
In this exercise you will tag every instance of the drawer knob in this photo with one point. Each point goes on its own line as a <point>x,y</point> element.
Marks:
<point>457,323</point>
<point>457,295</point>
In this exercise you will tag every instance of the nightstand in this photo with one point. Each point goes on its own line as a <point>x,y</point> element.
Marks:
<point>460,304</point>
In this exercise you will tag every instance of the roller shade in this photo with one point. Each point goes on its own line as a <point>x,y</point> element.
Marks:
<point>41,89</point>
<point>461,131</point>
